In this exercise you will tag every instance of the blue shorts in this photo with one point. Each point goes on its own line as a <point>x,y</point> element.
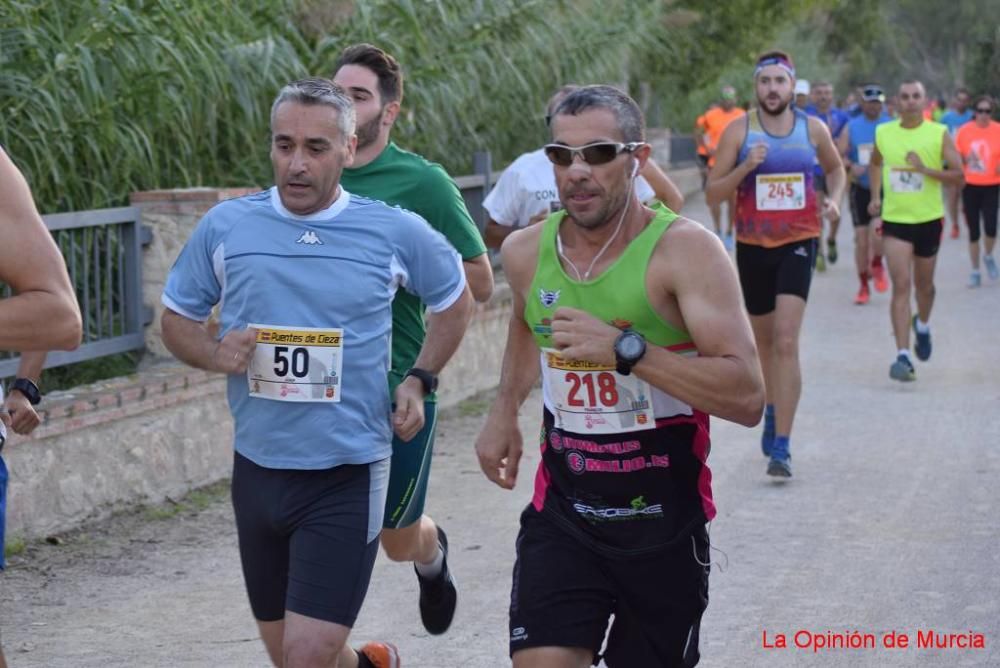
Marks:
<point>3,506</point>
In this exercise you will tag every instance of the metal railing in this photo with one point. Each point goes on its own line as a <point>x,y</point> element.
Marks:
<point>103,252</point>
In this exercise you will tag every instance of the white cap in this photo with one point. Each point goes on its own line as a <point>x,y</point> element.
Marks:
<point>801,87</point>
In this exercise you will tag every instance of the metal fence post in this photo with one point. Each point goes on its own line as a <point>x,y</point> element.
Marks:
<point>482,165</point>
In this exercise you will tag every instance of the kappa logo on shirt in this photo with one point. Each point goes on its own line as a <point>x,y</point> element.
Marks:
<point>309,237</point>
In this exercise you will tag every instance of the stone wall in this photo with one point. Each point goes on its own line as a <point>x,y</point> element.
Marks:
<point>172,215</point>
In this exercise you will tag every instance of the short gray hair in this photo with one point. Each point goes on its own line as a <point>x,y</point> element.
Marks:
<point>319,91</point>
<point>626,111</point>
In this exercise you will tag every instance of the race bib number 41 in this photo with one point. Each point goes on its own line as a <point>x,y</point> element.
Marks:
<point>781,192</point>
<point>595,399</point>
<point>297,364</point>
<point>905,180</point>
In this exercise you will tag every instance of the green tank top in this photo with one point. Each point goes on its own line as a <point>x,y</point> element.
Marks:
<point>909,196</point>
<point>617,296</point>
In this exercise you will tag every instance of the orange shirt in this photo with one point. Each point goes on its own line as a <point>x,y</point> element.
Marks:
<point>715,121</point>
<point>980,149</point>
<point>700,123</point>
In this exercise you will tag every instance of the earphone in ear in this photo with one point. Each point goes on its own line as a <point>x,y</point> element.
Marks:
<point>635,168</point>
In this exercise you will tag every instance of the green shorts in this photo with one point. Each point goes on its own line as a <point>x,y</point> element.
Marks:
<point>409,473</point>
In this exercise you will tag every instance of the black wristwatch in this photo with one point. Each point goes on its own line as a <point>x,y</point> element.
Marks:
<point>629,349</point>
<point>429,380</point>
<point>28,389</point>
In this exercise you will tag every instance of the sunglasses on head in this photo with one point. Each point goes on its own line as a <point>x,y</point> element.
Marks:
<point>597,153</point>
<point>983,110</point>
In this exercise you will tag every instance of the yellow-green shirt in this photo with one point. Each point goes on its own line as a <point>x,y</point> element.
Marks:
<point>909,196</point>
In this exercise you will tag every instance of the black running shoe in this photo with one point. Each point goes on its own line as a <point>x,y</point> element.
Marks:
<point>438,595</point>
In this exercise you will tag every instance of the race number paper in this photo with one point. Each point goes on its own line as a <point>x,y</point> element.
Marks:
<point>905,180</point>
<point>595,399</point>
<point>864,154</point>
<point>300,364</point>
<point>781,192</point>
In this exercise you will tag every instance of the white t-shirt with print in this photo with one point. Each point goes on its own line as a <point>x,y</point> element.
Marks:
<point>528,187</point>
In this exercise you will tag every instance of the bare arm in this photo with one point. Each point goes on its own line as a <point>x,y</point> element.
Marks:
<point>725,378</point>
<point>43,314</point>
<point>949,153</point>
<point>193,343</point>
<point>495,233</point>
<point>829,160</point>
<point>445,330</point>
<point>875,182</point>
<point>726,175</point>
<point>499,445</point>
<point>666,190</point>
<point>844,144</point>
<point>479,276</point>
<point>24,417</point>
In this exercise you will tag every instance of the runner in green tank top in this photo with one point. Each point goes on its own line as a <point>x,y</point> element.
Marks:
<point>906,171</point>
<point>383,171</point>
<point>633,317</point>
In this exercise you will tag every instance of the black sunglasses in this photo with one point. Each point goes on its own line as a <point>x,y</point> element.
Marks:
<point>980,110</point>
<point>597,153</point>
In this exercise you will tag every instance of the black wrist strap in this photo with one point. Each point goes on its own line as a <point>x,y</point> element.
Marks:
<point>28,388</point>
<point>427,379</point>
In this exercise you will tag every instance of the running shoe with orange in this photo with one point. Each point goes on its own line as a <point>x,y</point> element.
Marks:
<point>379,655</point>
<point>863,295</point>
<point>879,277</point>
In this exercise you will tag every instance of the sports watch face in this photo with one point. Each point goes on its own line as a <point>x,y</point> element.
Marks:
<point>630,346</point>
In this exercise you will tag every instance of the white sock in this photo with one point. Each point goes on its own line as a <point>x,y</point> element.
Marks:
<point>922,326</point>
<point>905,353</point>
<point>431,569</point>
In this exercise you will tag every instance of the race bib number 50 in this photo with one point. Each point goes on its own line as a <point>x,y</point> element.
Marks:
<point>596,399</point>
<point>781,192</point>
<point>297,364</point>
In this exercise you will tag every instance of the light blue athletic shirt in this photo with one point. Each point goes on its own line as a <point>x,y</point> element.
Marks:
<point>861,131</point>
<point>339,267</point>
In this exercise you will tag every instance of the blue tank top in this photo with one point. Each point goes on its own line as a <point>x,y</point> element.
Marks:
<point>776,203</point>
<point>861,141</point>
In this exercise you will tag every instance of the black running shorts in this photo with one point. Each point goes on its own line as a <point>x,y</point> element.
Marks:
<point>980,202</point>
<point>860,197</point>
<point>308,539</point>
<point>766,273</point>
<point>564,594</point>
<point>924,237</point>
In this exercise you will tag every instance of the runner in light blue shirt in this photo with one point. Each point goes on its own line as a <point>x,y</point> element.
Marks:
<point>303,276</point>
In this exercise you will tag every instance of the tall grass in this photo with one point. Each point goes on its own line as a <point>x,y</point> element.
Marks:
<point>100,98</point>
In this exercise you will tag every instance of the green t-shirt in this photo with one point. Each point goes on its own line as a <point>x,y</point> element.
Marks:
<point>409,181</point>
